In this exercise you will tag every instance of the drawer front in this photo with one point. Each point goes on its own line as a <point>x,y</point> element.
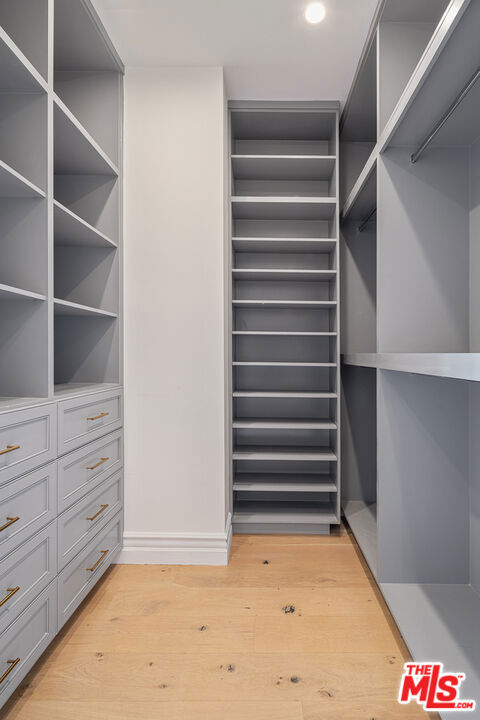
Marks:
<point>27,505</point>
<point>24,641</point>
<point>26,572</point>
<point>83,520</point>
<point>78,578</point>
<point>83,419</point>
<point>85,469</point>
<point>28,439</point>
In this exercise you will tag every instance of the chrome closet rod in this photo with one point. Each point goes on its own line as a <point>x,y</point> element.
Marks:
<point>446,116</point>
<point>362,225</point>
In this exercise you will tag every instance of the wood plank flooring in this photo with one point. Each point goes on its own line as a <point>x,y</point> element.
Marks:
<point>293,629</point>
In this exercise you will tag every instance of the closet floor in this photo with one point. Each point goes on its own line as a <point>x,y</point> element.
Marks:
<point>293,629</point>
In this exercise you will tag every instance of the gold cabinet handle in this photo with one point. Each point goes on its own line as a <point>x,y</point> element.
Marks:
<point>9,449</point>
<point>94,467</point>
<point>97,417</point>
<point>11,592</point>
<point>11,520</point>
<point>104,555</point>
<point>12,664</point>
<point>102,509</point>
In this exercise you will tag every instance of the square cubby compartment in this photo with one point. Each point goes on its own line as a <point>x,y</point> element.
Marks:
<point>256,346</point>
<point>284,378</point>
<point>296,319</point>
<point>26,23</point>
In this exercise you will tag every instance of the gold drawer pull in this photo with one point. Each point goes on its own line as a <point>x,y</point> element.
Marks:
<point>9,449</point>
<point>12,664</point>
<point>97,417</point>
<point>11,592</point>
<point>94,467</point>
<point>104,555</point>
<point>11,520</point>
<point>102,509</point>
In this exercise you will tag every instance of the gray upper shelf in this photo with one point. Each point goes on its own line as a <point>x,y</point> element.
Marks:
<point>283,245</point>
<point>461,366</point>
<point>70,230</point>
<point>309,124</point>
<point>282,274</point>
<point>73,309</point>
<point>283,208</point>
<point>315,304</point>
<point>17,74</point>
<point>15,185</point>
<point>76,152</point>
<point>283,167</point>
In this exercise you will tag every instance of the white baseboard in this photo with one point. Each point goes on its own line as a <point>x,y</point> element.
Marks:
<point>176,548</point>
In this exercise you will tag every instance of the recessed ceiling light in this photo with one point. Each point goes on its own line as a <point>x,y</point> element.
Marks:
<point>315,12</point>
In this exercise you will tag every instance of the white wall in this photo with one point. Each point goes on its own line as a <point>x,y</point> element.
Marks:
<point>175,489</point>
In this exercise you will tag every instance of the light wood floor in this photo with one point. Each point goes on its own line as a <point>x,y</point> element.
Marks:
<point>293,629</point>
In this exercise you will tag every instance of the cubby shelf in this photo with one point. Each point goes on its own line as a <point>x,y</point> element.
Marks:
<point>17,74</point>
<point>285,482</point>
<point>283,167</point>
<point>286,424</point>
<point>283,333</point>
<point>76,152</point>
<point>286,303</point>
<point>15,185</point>
<point>283,208</point>
<point>302,454</point>
<point>462,366</point>
<point>63,390</point>
<point>282,274</point>
<point>13,293</point>
<point>65,307</point>
<point>238,363</point>
<point>283,245</point>
<point>71,230</point>
<point>284,394</point>
<point>248,512</point>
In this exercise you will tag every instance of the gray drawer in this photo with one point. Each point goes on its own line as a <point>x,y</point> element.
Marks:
<point>78,578</point>
<point>83,520</point>
<point>86,418</point>
<point>26,572</point>
<point>30,502</point>
<point>27,639</point>
<point>28,439</point>
<point>85,469</point>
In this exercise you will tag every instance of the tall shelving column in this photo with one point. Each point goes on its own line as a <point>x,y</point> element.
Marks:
<point>285,317</point>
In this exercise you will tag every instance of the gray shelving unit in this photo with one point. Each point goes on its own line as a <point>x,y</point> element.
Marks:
<point>410,328</point>
<point>284,317</point>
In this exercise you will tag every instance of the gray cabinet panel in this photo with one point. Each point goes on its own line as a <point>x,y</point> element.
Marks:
<point>85,469</point>
<point>26,572</point>
<point>26,505</point>
<point>28,439</point>
<point>26,639</point>
<point>84,519</point>
<point>87,418</point>
<point>77,579</point>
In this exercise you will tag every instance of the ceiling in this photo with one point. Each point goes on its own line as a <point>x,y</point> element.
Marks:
<point>267,48</point>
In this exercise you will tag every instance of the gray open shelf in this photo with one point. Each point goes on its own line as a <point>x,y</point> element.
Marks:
<point>284,317</point>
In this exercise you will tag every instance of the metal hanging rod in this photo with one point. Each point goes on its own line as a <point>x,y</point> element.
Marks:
<point>446,116</point>
<point>363,225</point>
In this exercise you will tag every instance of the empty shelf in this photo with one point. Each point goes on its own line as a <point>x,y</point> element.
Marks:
<point>68,389</point>
<point>8,403</point>
<point>274,452</point>
<point>460,366</point>
<point>65,307</point>
<point>76,152</point>
<point>284,394</point>
<point>440,622</point>
<point>284,424</point>
<point>13,184</point>
<point>279,512</point>
<point>17,73</point>
<point>283,333</point>
<point>283,167</point>
<point>362,518</point>
<point>284,482</point>
<point>283,208</point>
<point>70,229</point>
<point>13,293</point>
<point>283,245</point>
<point>280,274</point>
<point>285,303</point>
<point>282,364</point>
